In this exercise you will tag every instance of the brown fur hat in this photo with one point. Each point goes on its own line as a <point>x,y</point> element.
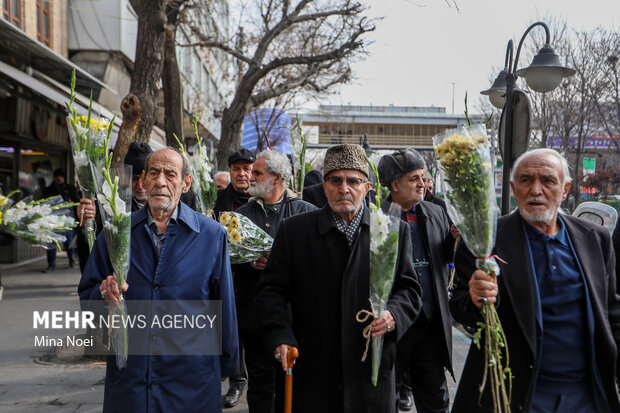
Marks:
<point>345,156</point>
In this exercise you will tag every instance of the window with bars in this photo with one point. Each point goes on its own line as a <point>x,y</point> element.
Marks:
<point>43,22</point>
<point>12,12</point>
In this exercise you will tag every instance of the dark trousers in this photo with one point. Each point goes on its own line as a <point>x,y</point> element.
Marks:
<point>51,251</point>
<point>261,371</point>
<point>240,381</point>
<point>421,354</point>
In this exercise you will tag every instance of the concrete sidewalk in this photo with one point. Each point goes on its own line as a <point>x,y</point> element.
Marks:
<point>32,381</point>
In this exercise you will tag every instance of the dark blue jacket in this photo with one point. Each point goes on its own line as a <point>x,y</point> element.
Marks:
<point>194,265</point>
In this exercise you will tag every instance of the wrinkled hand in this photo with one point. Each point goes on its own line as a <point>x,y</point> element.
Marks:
<point>454,231</point>
<point>282,351</point>
<point>259,264</point>
<point>110,286</point>
<point>86,210</point>
<point>483,288</point>
<point>379,326</point>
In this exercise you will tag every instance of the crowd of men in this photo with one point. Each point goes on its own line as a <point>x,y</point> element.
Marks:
<point>556,293</point>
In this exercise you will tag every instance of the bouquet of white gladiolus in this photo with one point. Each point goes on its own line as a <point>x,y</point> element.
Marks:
<point>88,144</point>
<point>200,170</point>
<point>115,205</point>
<point>383,253</point>
<point>36,222</point>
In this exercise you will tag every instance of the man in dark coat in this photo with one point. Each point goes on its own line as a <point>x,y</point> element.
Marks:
<point>271,203</point>
<point>176,254</point>
<point>426,349</point>
<point>237,192</point>
<point>68,194</point>
<point>317,280</point>
<point>556,297</point>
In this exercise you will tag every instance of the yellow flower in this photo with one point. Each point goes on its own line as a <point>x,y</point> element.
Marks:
<point>3,201</point>
<point>234,223</point>
<point>225,218</point>
<point>480,140</point>
<point>235,236</point>
<point>94,123</point>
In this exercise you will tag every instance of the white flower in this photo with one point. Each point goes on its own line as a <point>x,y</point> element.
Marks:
<point>107,201</point>
<point>379,223</point>
<point>80,159</point>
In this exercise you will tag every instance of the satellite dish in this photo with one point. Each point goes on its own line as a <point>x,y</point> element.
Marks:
<point>597,213</point>
<point>521,125</point>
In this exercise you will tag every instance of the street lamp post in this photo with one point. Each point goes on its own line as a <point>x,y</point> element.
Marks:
<point>543,75</point>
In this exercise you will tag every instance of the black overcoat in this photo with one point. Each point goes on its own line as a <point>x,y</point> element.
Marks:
<point>435,226</point>
<point>516,309</point>
<point>308,296</point>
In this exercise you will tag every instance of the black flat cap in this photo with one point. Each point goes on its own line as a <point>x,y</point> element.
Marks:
<point>398,163</point>
<point>242,154</point>
<point>136,156</point>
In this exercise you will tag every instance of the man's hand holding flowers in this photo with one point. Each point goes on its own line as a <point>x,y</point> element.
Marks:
<point>483,288</point>
<point>383,324</point>
<point>109,288</point>
<point>86,210</point>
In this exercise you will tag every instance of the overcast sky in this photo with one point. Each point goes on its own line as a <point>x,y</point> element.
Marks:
<point>421,46</point>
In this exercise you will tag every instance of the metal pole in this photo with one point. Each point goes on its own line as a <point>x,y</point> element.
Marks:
<point>507,153</point>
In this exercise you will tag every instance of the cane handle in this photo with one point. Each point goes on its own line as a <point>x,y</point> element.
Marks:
<point>291,355</point>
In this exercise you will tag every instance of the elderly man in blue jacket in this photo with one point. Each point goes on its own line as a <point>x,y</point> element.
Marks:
<point>176,254</point>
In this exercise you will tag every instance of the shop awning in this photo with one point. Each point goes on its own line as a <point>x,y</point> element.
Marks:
<point>16,46</point>
<point>52,93</point>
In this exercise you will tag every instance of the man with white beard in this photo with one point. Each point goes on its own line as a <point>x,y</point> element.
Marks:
<point>270,203</point>
<point>556,297</point>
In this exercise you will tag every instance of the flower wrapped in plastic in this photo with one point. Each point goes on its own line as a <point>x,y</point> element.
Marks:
<point>246,241</point>
<point>36,222</point>
<point>298,154</point>
<point>115,205</point>
<point>464,156</point>
<point>88,137</point>
<point>200,169</point>
<point>384,231</point>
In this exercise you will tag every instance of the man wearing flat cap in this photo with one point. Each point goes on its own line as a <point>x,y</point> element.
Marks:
<point>237,192</point>
<point>235,195</point>
<point>314,284</point>
<point>426,348</point>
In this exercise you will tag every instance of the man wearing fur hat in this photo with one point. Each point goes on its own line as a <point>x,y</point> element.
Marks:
<point>426,349</point>
<point>271,203</point>
<point>316,281</point>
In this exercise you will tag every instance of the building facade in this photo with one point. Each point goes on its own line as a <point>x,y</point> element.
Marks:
<point>34,72</point>
<point>385,127</point>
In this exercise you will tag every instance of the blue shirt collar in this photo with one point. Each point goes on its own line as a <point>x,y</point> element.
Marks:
<point>183,214</point>
<point>561,236</point>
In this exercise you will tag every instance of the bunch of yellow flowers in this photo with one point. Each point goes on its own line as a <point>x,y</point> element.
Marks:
<point>231,223</point>
<point>96,125</point>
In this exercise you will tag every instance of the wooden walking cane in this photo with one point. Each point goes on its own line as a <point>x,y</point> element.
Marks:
<point>291,355</point>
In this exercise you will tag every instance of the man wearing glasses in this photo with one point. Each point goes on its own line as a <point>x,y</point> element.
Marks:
<point>315,282</point>
<point>426,349</point>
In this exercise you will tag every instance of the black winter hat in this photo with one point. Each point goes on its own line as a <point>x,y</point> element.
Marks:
<point>397,164</point>
<point>313,177</point>
<point>136,156</point>
<point>242,154</point>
